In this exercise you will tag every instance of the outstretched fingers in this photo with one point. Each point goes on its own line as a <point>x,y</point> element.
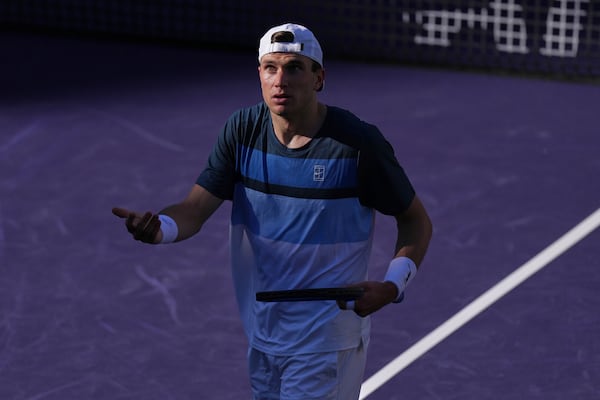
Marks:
<point>121,212</point>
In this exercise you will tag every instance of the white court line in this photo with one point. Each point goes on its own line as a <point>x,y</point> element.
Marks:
<point>513,280</point>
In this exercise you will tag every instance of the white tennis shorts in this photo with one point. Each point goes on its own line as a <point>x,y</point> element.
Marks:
<point>319,376</point>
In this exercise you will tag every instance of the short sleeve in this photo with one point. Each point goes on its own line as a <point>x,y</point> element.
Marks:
<point>383,184</point>
<point>218,177</point>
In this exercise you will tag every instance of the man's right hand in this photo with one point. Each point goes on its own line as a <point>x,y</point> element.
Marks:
<point>145,228</point>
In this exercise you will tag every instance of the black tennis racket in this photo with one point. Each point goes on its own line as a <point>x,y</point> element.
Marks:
<point>331,293</point>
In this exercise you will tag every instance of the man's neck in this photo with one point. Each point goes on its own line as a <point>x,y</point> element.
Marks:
<point>297,132</point>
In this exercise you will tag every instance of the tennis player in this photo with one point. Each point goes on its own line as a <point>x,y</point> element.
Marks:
<point>305,180</point>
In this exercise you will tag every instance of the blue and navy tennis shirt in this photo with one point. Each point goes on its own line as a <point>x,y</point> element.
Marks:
<point>302,218</point>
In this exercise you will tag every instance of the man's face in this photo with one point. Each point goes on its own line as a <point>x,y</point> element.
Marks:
<point>288,82</point>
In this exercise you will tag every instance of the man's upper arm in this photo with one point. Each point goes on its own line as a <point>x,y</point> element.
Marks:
<point>202,203</point>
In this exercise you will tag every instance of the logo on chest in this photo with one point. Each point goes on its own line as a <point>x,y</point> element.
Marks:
<point>318,173</point>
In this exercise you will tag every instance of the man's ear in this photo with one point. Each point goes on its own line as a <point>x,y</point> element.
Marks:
<point>320,80</point>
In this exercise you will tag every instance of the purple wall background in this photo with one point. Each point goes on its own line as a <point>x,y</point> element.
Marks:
<point>502,35</point>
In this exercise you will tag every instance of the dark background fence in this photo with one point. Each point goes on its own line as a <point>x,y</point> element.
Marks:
<point>559,38</point>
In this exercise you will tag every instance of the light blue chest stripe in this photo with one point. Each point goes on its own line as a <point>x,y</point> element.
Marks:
<point>298,172</point>
<point>301,221</point>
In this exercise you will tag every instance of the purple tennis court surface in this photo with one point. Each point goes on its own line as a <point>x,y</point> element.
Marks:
<point>505,166</point>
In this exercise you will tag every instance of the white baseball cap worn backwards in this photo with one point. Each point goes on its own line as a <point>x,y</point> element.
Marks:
<point>304,42</point>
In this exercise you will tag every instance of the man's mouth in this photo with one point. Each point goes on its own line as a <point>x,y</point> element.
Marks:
<point>281,98</point>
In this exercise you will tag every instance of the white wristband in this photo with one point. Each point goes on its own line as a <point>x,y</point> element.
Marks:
<point>169,229</point>
<point>401,271</point>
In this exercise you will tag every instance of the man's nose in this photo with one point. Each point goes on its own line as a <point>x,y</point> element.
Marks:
<point>280,77</point>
